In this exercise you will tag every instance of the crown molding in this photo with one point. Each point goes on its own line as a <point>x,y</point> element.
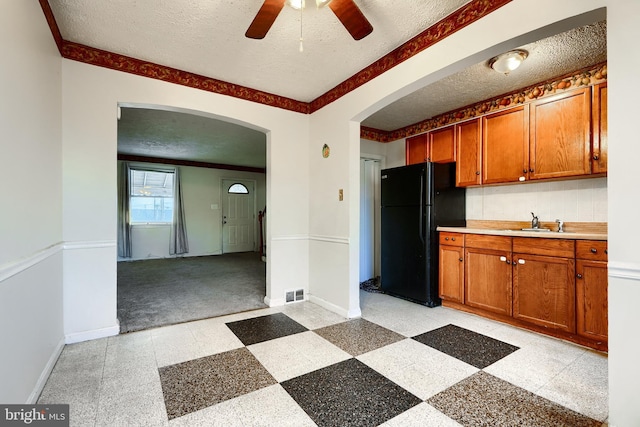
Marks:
<point>466,15</point>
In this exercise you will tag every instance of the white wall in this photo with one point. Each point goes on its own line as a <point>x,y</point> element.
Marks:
<point>393,153</point>
<point>578,200</point>
<point>31,226</point>
<point>623,25</point>
<point>201,188</point>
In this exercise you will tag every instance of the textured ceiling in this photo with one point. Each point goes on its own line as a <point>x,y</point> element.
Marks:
<point>548,58</point>
<point>183,136</point>
<point>207,37</point>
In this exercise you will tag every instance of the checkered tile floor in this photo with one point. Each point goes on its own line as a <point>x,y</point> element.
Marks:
<point>401,364</point>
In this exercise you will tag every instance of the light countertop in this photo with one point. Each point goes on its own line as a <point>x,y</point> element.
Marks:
<point>519,233</point>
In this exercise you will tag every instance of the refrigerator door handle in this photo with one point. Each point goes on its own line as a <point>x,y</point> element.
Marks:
<point>421,212</point>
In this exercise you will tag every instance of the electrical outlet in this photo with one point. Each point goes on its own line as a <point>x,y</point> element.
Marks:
<point>341,194</point>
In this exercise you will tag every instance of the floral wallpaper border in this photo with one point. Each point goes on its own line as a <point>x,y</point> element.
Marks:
<point>586,77</point>
<point>471,12</point>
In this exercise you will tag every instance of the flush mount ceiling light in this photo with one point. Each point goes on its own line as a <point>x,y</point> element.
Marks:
<point>299,4</point>
<point>508,61</point>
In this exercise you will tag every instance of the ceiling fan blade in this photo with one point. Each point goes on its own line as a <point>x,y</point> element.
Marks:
<point>264,19</point>
<point>352,18</point>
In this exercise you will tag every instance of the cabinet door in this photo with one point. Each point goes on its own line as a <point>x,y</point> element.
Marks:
<point>505,146</point>
<point>442,147</point>
<point>600,126</point>
<point>416,149</point>
<point>560,135</point>
<point>488,280</point>
<point>591,299</point>
<point>468,152</point>
<point>451,272</point>
<point>544,291</point>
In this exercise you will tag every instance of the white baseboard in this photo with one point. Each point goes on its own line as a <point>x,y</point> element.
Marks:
<point>334,308</point>
<point>274,302</point>
<point>92,334</point>
<point>44,375</point>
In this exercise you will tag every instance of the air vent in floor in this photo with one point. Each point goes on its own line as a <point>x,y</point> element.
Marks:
<point>294,295</point>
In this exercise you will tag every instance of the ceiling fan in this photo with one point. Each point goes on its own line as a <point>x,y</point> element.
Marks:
<point>346,10</point>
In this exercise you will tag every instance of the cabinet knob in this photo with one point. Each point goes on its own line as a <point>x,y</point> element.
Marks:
<point>606,251</point>
<point>579,276</point>
<point>453,239</point>
<point>524,171</point>
<point>594,250</point>
<point>531,170</point>
<point>596,157</point>
<point>460,259</point>
<point>477,172</point>
<point>446,238</point>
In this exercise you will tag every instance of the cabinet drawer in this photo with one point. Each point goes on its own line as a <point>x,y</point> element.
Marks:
<point>595,250</point>
<point>452,239</point>
<point>482,241</point>
<point>541,246</point>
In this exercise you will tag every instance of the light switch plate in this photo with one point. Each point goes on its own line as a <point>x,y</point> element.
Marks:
<point>340,194</point>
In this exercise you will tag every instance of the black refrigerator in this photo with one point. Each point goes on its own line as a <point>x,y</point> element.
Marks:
<point>415,200</point>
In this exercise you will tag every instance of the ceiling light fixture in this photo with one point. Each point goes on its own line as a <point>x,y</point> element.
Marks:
<point>508,61</point>
<point>299,4</point>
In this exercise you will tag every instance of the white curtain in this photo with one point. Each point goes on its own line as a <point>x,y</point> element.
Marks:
<point>124,223</point>
<point>178,243</point>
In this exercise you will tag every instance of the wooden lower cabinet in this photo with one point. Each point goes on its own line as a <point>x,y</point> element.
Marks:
<point>488,280</point>
<point>451,267</point>
<point>487,264</point>
<point>591,297</point>
<point>552,286</point>
<point>451,271</point>
<point>544,291</point>
<point>591,290</point>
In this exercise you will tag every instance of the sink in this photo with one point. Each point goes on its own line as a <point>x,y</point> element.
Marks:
<point>535,229</point>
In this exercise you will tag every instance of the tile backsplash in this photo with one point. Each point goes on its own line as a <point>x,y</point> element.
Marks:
<point>580,200</point>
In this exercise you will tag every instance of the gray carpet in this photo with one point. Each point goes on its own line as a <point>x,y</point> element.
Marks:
<point>161,292</point>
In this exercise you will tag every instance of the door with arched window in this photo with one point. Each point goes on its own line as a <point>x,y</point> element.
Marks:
<point>238,216</point>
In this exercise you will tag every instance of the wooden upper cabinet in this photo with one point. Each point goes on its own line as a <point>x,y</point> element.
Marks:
<point>600,136</point>
<point>505,146</point>
<point>442,147</point>
<point>416,149</point>
<point>560,135</point>
<point>469,154</point>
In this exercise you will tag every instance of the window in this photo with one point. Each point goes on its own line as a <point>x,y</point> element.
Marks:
<point>151,197</point>
<point>238,188</point>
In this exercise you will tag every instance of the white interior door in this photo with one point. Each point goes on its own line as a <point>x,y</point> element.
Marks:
<point>369,219</point>
<point>238,216</point>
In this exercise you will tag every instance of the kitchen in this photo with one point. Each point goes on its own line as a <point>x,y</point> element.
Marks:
<point>553,167</point>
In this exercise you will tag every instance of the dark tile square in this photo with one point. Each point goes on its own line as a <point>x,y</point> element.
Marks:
<point>358,336</point>
<point>199,383</point>
<point>349,393</point>
<point>471,347</point>
<point>484,400</point>
<point>265,328</point>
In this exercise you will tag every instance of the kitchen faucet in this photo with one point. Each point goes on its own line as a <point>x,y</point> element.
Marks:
<point>534,222</point>
<point>560,226</point>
